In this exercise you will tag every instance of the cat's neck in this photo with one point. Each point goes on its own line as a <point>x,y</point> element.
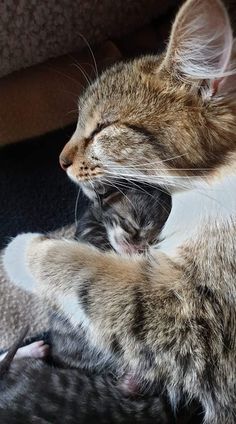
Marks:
<point>207,203</point>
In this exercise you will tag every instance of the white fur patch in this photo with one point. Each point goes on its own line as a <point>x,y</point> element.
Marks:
<point>115,235</point>
<point>71,176</point>
<point>72,309</point>
<point>191,209</point>
<point>14,261</point>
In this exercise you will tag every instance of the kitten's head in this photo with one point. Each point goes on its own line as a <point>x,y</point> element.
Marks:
<point>164,120</point>
<point>134,219</point>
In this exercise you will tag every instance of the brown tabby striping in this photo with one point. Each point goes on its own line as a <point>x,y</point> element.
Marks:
<point>169,121</point>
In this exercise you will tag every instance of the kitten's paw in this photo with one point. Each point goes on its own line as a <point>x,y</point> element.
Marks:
<point>14,261</point>
<point>37,350</point>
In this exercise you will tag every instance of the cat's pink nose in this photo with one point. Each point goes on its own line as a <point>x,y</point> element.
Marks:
<point>65,162</point>
<point>67,155</point>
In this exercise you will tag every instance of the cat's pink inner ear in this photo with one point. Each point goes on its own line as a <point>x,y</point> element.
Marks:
<point>201,42</point>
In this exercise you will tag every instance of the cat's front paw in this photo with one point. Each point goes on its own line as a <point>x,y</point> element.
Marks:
<point>14,260</point>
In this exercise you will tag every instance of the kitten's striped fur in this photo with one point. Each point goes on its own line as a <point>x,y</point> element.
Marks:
<point>126,219</point>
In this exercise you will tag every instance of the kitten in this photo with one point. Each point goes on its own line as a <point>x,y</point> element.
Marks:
<point>33,391</point>
<point>170,121</point>
<point>128,221</point>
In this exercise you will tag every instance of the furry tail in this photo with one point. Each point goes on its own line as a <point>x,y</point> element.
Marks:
<point>7,360</point>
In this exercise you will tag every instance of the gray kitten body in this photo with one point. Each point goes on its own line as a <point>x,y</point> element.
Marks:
<point>33,391</point>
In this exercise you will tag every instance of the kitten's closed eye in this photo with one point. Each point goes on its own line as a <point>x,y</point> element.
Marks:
<point>128,226</point>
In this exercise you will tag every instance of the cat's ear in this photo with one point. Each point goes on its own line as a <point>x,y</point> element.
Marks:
<point>200,46</point>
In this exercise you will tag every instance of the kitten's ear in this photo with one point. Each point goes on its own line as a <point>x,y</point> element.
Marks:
<point>200,45</point>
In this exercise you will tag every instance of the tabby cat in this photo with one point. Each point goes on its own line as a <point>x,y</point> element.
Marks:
<point>170,121</point>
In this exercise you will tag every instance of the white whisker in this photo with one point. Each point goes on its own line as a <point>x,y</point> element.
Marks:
<point>76,206</point>
<point>91,52</point>
<point>118,189</point>
<point>148,163</point>
<point>84,73</point>
<point>68,77</point>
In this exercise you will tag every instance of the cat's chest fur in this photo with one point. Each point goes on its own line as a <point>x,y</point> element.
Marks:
<point>198,215</point>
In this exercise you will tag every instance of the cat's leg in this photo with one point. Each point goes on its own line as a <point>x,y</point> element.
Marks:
<point>143,308</point>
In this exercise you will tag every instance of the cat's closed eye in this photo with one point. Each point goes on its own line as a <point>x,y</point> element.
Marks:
<point>100,126</point>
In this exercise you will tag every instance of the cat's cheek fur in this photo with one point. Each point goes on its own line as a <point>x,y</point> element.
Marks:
<point>15,260</point>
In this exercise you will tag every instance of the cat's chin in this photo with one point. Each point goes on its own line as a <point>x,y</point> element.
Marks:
<point>92,190</point>
<point>14,261</point>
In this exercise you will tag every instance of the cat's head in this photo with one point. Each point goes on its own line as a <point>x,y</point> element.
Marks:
<point>134,218</point>
<point>165,120</point>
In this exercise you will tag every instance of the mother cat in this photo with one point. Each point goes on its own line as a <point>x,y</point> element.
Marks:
<point>166,120</point>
